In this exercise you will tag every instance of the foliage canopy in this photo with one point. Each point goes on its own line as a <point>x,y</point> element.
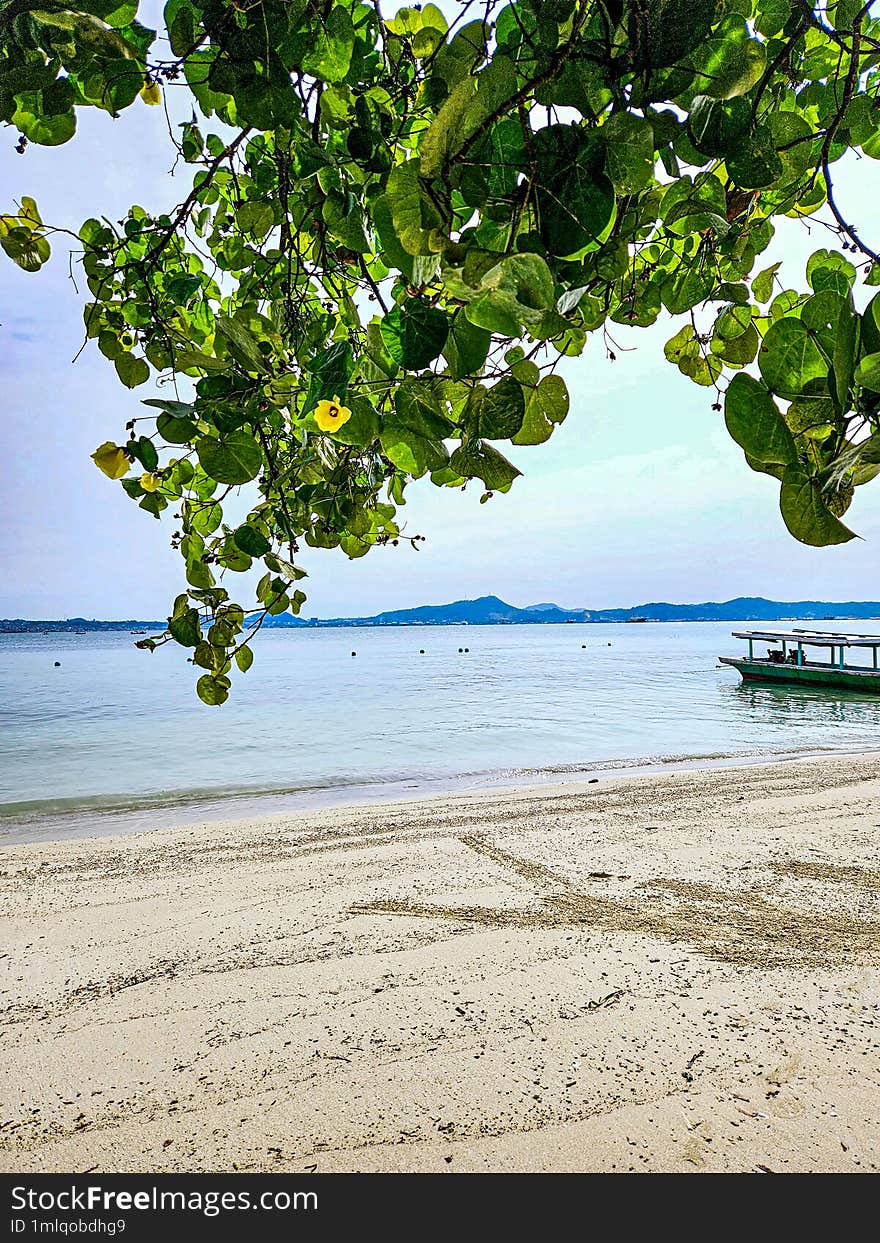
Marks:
<point>398,226</point>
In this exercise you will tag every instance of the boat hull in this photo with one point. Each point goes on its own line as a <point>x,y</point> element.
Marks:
<point>865,680</point>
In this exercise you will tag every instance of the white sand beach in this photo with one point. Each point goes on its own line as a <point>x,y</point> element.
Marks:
<point>679,972</point>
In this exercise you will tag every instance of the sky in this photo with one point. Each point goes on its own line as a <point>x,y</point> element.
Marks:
<point>640,495</point>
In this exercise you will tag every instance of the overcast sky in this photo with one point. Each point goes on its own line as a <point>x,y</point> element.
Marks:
<point>639,496</point>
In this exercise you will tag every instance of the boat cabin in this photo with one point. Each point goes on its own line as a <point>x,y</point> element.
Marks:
<point>812,656</point>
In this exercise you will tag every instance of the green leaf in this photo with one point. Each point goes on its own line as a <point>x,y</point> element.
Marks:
<point>206,518</point>
<point>729,62</point>
<point>664,31</point>
<point>792,135</point>
<point>145,451</point>
<point>390,246</point>
<point>536,426</point>
<point>251,541</point>
<point>410,452</point>
<point>502,410</point>
<point>255,217</point>
<point>413,20</point>
<point>244,658</point>
<point>199,575</point>
<point>286,568</point>
<point>740,350</point>
<point>867,373</point>
<point>790,361</point>
<point>131,370</point>
<point>182,288</point>
<point>755,423</point>
<point>575,200</point>
<point>714,125</point>
<point>845,352</point>
<point>685,287</point>
<point>553,398</point>
<point>346,224</point>
<point>203,656</point>
<point>213,690</point>
<point>870,330</point>
<point>826,269</point>
<point>547,405</point>
<point>329,55</point>
<point>762,284</point>
<point>185,628</point>
<point>518,290</point>
<point>686,351</point>
<point>363,426</point>
<point>242,344</point>
<point>753,161</point>
<point>174,430</point>
<point>330,371</point>
<point>805,513</point>
<point>466,348</point>
<point>481,461</point>
<point>629,151</point>
<point>196,360</point>
<point>470,103</point>
<point>414,333</point>
<point>415,219</point>
<point>417,408</point>
<point>233,459</point>
<point>733,321</point>
<point>27,249</point>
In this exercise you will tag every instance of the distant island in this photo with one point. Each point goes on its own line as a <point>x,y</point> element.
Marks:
<point>491,611</point>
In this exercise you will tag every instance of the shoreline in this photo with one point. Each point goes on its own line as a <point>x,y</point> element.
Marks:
<point>672,972</point>
<point>126,818</point>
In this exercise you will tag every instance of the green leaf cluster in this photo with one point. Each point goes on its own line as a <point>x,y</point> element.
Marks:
<point>400,226</point>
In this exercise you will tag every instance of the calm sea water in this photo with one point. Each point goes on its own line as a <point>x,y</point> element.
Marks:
<point>115,738</point>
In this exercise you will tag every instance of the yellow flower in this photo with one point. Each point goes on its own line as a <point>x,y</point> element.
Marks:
<point>151,92</point>
<point>330,415</point>
<point>149,482</point>
<point>111,459</point>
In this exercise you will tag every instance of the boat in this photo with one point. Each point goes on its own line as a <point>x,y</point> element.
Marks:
<point>787,661</point>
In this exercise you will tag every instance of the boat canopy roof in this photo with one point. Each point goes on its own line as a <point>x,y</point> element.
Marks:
<point>810,638</point>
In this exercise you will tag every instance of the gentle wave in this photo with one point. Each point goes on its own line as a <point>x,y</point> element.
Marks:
<point>113,739</point>
<point>78,817</point>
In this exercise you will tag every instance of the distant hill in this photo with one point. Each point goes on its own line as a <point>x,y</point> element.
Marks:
<point>744,608</point>
<point>491,611</point>
<point>486,611</point>
<point>22,625</point>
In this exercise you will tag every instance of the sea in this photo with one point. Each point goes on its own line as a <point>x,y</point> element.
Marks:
<point>114,739</point>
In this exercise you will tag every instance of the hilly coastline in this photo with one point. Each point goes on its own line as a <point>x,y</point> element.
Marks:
<point>492,611</point>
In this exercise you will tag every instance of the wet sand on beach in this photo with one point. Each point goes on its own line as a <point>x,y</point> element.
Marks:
<point>676,972</point>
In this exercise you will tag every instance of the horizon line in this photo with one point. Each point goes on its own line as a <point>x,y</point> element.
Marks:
<point>543,606</point>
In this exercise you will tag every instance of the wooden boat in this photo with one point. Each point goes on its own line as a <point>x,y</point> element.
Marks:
<point>787,661</point>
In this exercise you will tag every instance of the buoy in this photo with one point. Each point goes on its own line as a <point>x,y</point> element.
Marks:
<point>421,651</point>
<point>57,664</point>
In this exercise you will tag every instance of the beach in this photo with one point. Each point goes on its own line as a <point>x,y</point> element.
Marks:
<point>668,973</point>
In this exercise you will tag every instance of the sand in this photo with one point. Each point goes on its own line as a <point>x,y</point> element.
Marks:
<point>668,973</point>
